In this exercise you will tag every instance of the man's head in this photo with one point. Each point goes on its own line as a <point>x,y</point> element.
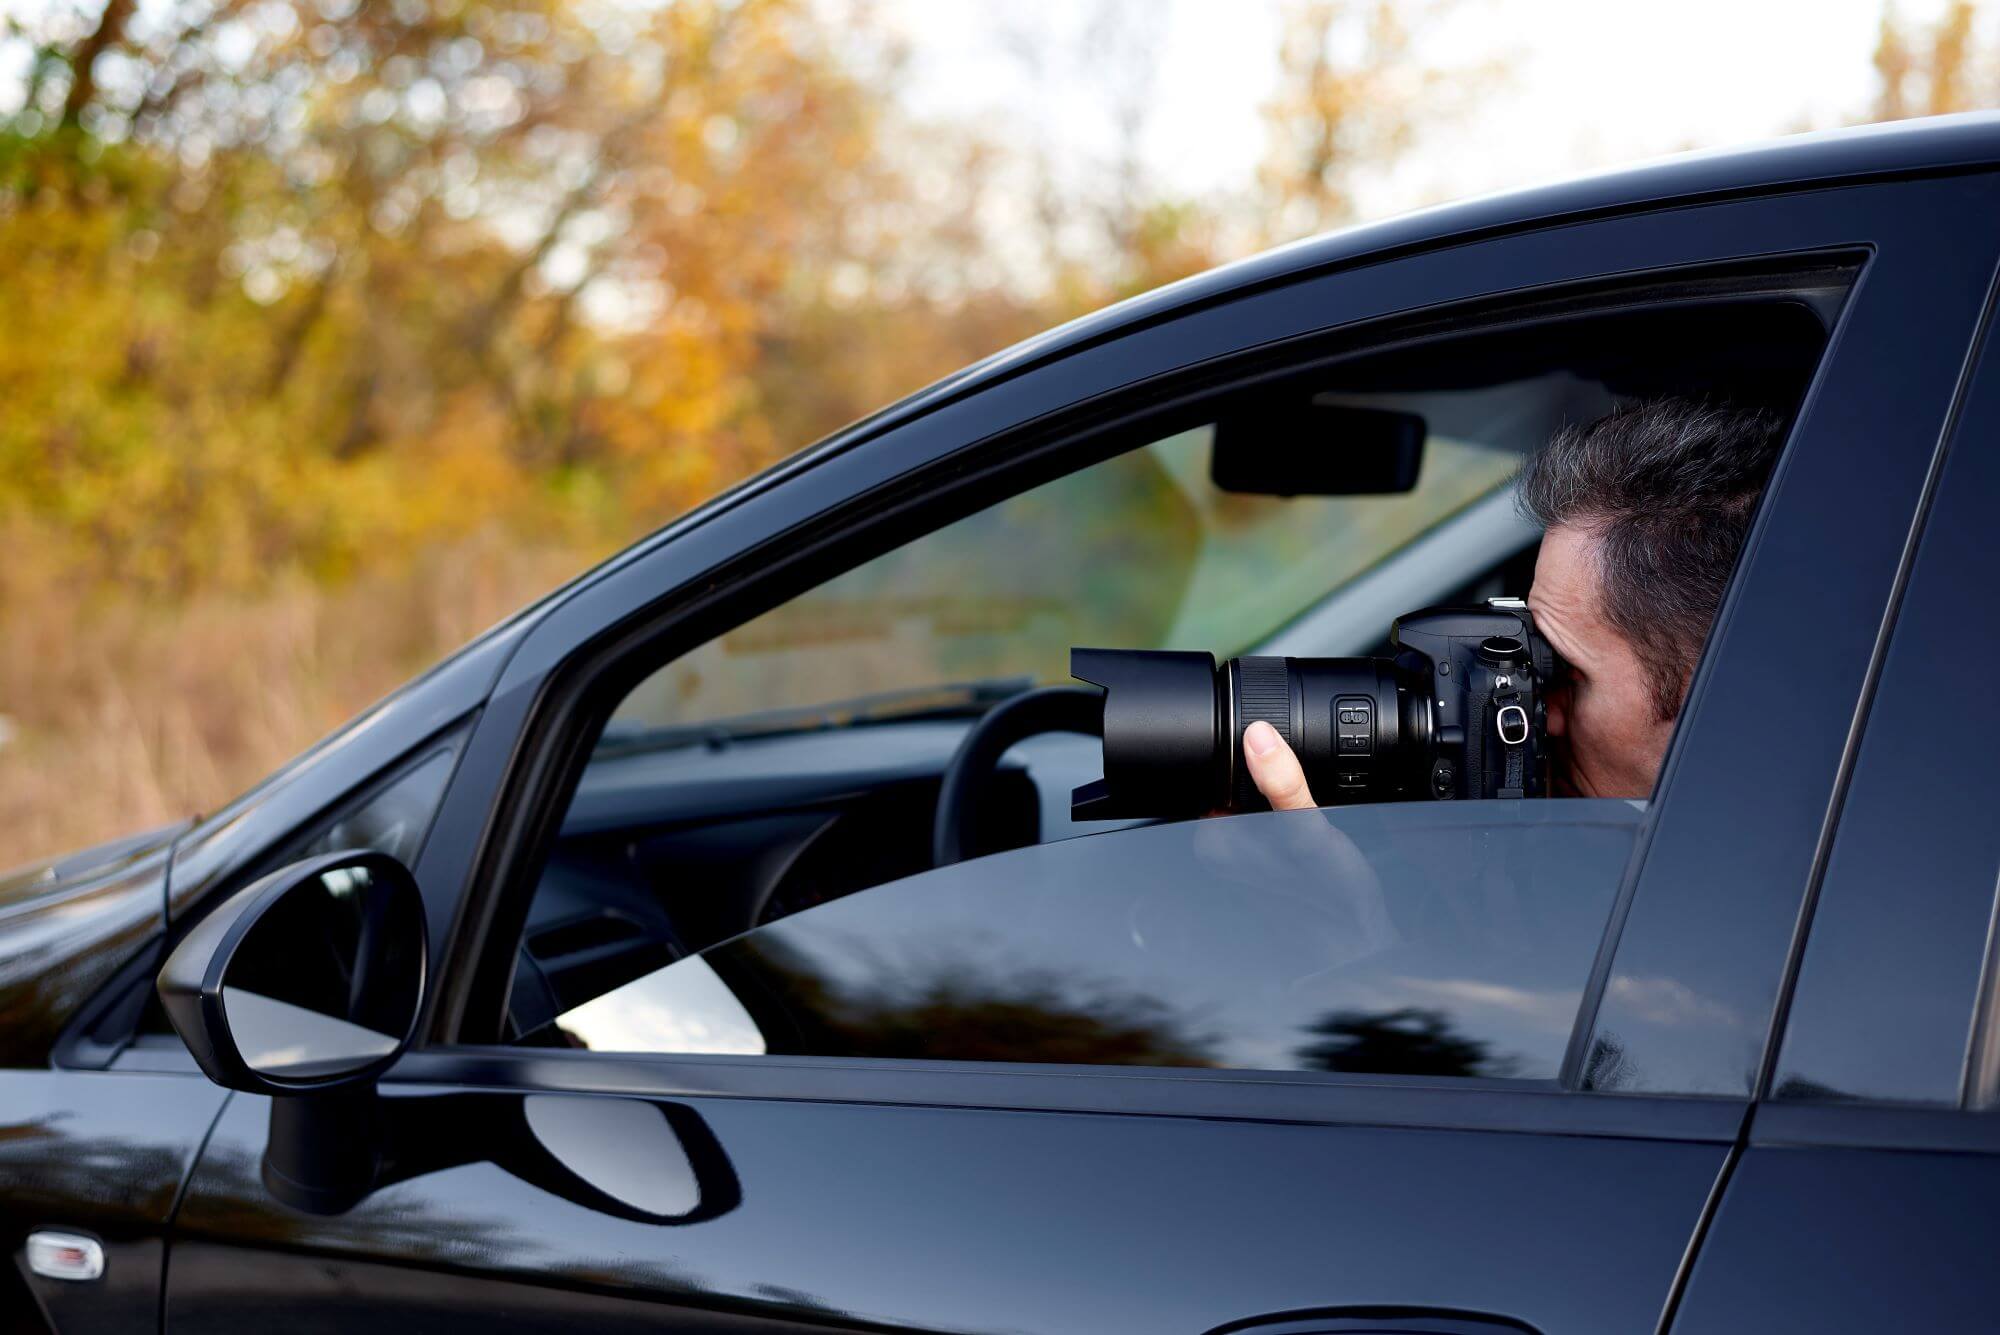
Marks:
<point>1645,510</point>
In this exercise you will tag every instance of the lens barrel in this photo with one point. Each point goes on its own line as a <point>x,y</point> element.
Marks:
<point>1174,724</point>
<point>1458,712</point>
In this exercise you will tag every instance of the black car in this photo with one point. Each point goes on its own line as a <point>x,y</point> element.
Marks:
<point>672,958</point>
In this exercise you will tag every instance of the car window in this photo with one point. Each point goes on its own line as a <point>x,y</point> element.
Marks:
<point>393,821</point>
<point>1427,939</point>
<point>795,761</point>
<point>1142,550</point>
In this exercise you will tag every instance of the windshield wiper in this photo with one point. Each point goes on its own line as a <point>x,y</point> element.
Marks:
<point>947,700</point>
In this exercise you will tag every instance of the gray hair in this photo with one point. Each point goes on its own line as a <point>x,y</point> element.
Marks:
<point>1668,487</point>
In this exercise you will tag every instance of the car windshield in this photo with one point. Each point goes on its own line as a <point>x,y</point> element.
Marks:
<point>1140,551</point>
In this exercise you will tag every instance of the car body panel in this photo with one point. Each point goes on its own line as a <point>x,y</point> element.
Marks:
<point>106,1155</point>
<point>978,1220</point>
<point>46,874</point>
<point>60,946</point>
<point>1850,1238</point>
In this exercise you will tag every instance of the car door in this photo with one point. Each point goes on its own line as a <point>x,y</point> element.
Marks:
<point>1860,1202</point>
<point>1529,1142</point>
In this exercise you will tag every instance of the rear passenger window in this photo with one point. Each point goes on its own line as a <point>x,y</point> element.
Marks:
<point>1422,939</point>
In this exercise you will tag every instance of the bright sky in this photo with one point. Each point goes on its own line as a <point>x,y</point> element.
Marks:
<point>1593,83</point>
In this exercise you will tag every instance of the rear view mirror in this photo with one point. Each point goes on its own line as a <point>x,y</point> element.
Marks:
<point>1304,447</point>
<point>308,980</point>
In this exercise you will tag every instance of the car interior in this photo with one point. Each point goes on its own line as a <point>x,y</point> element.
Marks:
<point>799,758</point>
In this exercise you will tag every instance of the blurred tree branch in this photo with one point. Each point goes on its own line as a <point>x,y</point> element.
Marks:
<point>1935,69</point>
<point>108,32</point>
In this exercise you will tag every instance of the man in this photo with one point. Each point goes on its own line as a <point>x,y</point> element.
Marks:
<point>1643,512</point>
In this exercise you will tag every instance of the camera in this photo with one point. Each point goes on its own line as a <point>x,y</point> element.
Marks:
<point>1459,710</point>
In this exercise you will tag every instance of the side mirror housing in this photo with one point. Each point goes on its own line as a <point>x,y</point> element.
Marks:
<point>306,986</point>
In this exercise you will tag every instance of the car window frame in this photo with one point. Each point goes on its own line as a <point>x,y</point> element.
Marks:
<point>1836,527</point>
<point>871,494</point>
<point>1133,416</point>
<point>1947,864</point>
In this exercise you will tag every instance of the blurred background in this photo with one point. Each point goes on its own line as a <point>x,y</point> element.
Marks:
<point>331,331</point>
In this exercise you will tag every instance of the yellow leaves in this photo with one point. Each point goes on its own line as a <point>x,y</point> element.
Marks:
<point>1933,70</point>
<point>1352,94</point>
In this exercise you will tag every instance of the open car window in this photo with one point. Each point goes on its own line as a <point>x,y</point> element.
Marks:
<point>794,762</point>
<point>1142,550</point>
<point>1423,939</point>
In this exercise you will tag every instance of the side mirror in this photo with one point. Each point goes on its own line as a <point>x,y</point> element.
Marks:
<point>305,986</point>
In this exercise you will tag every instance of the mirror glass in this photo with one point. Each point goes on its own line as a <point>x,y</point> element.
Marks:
<point>327,981</point>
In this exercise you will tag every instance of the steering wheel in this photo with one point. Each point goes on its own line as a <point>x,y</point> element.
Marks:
<point>1045,709</point>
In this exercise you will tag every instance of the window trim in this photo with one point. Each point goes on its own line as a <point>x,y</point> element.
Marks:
<point>1940,515</point>
<point>1298,1097</point>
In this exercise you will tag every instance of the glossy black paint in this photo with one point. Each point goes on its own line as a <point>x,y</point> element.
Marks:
<point>1850,1240</point>
<point>105,1154</point>
<point>1661,1179</point>
<point>1909,889</point>
<point>31,879</point>
<point>872,1218</point>
<point>59,947</point>
<point>944,1196</point>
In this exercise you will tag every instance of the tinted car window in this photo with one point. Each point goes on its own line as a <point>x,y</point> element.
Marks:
<point>1142,550</point>
<point>393,821</point>
<point>1446,939</point>
<point>1901,934</point>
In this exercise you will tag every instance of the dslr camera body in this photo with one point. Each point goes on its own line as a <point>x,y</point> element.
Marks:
<point>1459,710</point>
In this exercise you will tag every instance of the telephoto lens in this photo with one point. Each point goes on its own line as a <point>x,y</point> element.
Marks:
<point>1457,711</point>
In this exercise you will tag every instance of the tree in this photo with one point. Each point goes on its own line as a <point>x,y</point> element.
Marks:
<point>1353,96</point>
<point>1934,69</point>
<point>1409,1040</point>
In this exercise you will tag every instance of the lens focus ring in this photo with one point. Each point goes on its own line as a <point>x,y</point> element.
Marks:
<point>1263,689</point>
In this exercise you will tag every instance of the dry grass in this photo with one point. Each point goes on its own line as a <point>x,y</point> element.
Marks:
<point>122,712</point>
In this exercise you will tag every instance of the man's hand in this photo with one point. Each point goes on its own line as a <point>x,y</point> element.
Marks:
<point>1275,770</point>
